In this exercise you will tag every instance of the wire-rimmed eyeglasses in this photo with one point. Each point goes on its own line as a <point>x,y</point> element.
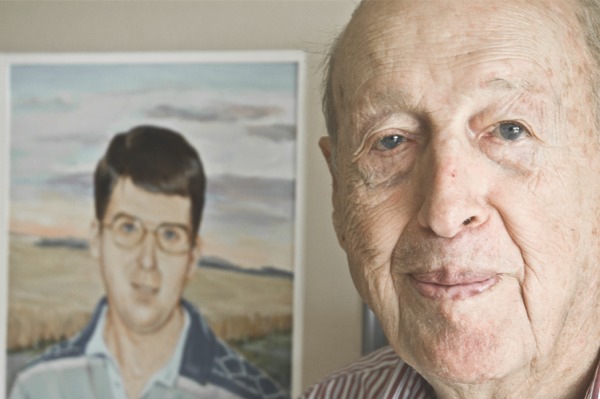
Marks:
<point>129,231</point>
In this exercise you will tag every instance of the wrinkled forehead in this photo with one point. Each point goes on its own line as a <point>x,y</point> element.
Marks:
<point>418,39</point>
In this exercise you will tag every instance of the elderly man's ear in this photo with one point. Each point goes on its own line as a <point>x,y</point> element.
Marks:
<point>326,149</point>
<point>325,145</point>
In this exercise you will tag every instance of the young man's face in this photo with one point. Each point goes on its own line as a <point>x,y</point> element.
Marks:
<point>144,279</point>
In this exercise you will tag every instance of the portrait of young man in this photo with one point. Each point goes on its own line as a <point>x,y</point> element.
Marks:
<point>464,150</point>
<point>144,339</point>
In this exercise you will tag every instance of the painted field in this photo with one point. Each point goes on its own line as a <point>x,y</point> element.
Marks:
<point>53,290</point>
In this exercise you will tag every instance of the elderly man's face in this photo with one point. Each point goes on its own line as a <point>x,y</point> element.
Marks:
<point>466,178</point>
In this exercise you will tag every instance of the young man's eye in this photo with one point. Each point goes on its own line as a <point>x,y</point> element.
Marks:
<point>171,235</point>
<point>128,228</point>
<point>511,131</point>
<point>390,142</point>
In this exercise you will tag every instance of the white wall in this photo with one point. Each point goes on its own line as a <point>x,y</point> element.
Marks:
<point>331,330</point>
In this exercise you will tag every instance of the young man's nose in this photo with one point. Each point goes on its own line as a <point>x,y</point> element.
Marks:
<point>454,185</point>
<point>148,249</point>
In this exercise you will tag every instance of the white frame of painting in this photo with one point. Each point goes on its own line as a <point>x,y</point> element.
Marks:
<point>276,56</point>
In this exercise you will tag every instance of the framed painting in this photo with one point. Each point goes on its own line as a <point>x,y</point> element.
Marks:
<point>242,113</point>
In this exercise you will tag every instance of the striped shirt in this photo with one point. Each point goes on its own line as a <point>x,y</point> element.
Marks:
<point>383,375</point>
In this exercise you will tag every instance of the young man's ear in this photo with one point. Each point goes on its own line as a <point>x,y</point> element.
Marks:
<point>94,239</point>
<point>195,254</point>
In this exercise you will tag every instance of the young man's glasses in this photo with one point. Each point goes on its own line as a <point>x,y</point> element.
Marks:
<point>129,231</point>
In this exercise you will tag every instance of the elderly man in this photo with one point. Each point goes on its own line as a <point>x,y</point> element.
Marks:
<point>464,147</point>
<point>144,340</point>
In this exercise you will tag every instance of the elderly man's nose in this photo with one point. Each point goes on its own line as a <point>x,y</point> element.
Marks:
<point>453,196</point>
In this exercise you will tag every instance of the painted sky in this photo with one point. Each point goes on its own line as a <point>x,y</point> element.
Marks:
<point>241,117</point>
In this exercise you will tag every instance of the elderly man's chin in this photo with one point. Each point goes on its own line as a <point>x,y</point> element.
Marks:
<point>467,339</point>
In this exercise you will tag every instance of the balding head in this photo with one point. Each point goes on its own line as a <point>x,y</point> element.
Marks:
<point>340,56</point>
<point>465,188</point>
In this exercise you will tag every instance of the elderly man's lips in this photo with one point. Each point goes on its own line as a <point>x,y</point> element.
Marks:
<point>436,286</point>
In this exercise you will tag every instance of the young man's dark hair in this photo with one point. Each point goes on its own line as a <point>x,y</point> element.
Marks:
<point>156,159</point>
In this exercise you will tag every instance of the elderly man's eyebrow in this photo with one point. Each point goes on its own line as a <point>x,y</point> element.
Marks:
<point>499,83</point>
<point>382,103</point>
<point>379,104</point>
<point>391,96</point>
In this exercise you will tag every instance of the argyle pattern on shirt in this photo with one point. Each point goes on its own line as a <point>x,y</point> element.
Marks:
<point>209,369</point>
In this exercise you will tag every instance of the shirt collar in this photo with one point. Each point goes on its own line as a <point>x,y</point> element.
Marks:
<point>394,387</point>
<point>594,389</point>
<point>169,372</point>
<point>166,375</point>
<point>96,344</point>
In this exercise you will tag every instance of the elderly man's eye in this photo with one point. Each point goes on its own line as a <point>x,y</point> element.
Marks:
<point>511,131</point>
<point>390,142</point>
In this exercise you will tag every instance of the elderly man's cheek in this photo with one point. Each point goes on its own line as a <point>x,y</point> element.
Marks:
<point>372,216</point>
<point>380,171</point>
<point>372,223</point>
